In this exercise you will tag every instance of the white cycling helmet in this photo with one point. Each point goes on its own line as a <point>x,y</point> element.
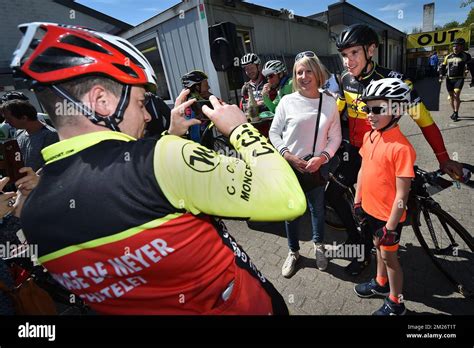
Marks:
<point>387,89</point>
<point>273,67</point>
<point>249,58</point>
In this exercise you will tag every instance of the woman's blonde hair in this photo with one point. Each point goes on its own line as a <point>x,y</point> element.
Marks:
<point>313,64</point>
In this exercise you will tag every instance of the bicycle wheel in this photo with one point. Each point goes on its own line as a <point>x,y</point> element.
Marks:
<point>448,244</point>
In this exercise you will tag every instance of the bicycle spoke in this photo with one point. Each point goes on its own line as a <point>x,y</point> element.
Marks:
<point>448,249</point>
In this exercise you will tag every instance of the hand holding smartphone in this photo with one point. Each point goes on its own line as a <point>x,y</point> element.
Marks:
<point>197,108</point>
<point>10,160</point>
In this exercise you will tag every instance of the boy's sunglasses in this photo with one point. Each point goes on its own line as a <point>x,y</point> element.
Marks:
<point>304,54</point>
<point>375,110</point>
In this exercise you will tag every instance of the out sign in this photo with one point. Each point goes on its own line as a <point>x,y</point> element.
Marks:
<point>438,37</point>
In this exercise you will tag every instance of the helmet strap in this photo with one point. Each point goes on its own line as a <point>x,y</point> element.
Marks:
<point>393,121</point>
<point>368,61</point>
<point>110,122</point>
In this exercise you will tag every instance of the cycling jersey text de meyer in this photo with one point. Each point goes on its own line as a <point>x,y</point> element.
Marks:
<point>112,218</point>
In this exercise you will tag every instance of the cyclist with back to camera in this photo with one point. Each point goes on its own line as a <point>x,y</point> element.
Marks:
<point>124,223</point>
<point>357,45</point>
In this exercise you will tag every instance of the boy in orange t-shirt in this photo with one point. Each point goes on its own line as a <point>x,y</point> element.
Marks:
<point>383,185</point>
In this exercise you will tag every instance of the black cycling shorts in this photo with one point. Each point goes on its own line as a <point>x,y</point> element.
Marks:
<point>452,84</point>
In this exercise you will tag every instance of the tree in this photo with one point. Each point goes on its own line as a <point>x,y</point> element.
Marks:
<point>450,25</point>
<point>470,17</point>
<point>466,2</point>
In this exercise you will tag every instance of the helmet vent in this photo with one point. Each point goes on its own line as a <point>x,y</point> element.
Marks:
<point>80,42</point>
<point>126,69</point>
<point>57,58</point>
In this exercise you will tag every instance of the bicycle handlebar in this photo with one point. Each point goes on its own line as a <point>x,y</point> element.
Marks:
<point>434,178</point>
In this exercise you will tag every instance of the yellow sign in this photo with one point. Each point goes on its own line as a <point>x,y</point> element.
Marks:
<point>438,38</point>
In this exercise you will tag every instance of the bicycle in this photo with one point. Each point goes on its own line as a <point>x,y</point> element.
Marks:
<point>331,217</point>
<point>448,244</point>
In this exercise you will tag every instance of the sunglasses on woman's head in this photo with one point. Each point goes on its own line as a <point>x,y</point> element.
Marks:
<point>375,110</point>
<point>304,54</point>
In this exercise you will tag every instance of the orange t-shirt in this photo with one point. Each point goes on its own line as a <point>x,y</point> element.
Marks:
<point>388,155</point>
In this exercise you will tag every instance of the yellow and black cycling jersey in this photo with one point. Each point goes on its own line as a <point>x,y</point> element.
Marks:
<point>455,65</point>
<point>126,225</point>
<point>349,99</point>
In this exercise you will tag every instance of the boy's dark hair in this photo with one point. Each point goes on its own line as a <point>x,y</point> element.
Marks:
<point>77,88</point>
<point>19,108</point>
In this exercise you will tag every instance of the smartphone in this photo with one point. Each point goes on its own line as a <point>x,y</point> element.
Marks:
<point>197,108</point>
<point>10,160</point>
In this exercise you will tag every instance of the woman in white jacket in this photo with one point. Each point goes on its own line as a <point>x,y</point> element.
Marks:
<point>292,133</point>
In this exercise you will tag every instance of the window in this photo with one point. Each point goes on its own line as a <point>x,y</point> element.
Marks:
<point>150,51</point>
<point>244,41</point>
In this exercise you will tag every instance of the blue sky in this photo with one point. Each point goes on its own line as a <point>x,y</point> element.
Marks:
<point>136,11</point>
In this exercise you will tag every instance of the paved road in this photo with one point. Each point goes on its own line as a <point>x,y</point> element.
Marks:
<point>426,291</point>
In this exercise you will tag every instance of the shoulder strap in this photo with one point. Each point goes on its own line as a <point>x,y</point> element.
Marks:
<point>317,121</point>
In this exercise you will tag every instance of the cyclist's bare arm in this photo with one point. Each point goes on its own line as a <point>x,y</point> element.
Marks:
<point>358,193</point>
<point>400,202</point>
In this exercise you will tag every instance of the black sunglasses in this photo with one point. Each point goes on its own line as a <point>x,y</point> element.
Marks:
<point>304,54</point>
<point>375,110</point>
<point>270,76</point>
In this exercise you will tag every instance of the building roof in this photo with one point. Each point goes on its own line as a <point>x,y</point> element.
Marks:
<point>185,5</point>
<point>122,26</point>
<point>346,4</point>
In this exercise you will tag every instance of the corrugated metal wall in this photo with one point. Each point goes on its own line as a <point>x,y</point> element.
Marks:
<point>181,46</point>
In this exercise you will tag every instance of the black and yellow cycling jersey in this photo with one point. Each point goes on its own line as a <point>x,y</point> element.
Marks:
<point>455,65</point>
<point>351,91</point>
<point>126,225</point>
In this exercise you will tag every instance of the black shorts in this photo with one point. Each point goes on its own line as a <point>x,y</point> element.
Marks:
<point>375,224</point>
<point>452,84</point>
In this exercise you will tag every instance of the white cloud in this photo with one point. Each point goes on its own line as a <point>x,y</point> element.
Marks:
<point>393,7</point>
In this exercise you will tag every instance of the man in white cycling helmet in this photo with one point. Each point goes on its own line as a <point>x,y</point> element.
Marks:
<point>250,62</point>
<point>276,74</point>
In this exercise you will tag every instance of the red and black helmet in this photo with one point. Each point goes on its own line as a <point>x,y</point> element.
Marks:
<point>51,53</point>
